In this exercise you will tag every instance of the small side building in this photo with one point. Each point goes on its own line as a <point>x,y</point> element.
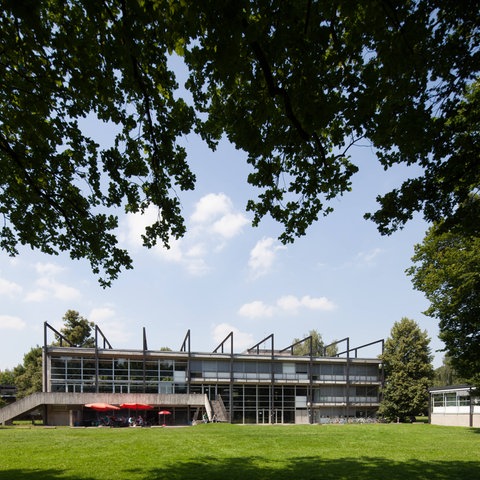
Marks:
<point>455,405</point>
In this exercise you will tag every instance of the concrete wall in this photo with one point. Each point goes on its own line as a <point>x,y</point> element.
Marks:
<point>61,407</point>
<point>455,416</point>
<point>59,415</point>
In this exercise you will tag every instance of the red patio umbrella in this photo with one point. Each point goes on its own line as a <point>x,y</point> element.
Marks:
<point>101,407</point>
<point>164,412</point>
<point>136,406</point>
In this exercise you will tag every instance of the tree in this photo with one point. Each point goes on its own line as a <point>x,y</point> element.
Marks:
<point>447,270</point>
<point>446,375</point>
<point>408,372</point>
<point>318,345</point>
<point>304,347</point>
<point>28,377</point>
<point>77,330</point>
<point>293,84</point>
<point>7,377</point>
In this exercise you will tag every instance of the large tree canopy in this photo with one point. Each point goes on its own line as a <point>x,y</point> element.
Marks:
<point>447,270</point>
<point>408,371</point>
<point>292,83</point>
<point>77,330</point>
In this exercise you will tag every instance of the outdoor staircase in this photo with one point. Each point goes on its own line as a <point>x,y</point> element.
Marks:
<point>196,414</point>
<point>41,400</point>
<point>24,406</point>
<point>219,409</point>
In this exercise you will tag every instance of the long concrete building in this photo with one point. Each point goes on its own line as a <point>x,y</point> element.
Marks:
<point>260,385</point>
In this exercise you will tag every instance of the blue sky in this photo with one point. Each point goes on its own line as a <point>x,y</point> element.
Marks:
<point>343,279</point>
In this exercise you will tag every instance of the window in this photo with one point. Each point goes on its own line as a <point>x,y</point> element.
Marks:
<point>301,368</point>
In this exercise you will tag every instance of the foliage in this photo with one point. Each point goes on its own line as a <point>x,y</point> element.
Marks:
<point>447,271</point>
<point>331,350</point>
<point>7,377</point>
<point>293,84</point>
<point>304,347</point>
<point>28,376</point>
<point>446,375</point>
<point>318,345</point>
<point>77,330</point>
<point>451,177</point>
<point>408,372</point>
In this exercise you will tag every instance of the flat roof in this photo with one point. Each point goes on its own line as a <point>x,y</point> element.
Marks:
<point>450,388</point>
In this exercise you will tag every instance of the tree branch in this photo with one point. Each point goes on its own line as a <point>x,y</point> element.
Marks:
<point>5,146</point>
<point>274,90</point>
<point>307,16</point>
<point>137,74</point>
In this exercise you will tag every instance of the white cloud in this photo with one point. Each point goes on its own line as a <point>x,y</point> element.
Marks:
<point>189,257</point>
<point>263,255</point>
<point>230,225</point>
<point>241,340</point>
<point>10,289</point>
<point>172,254</point>
<point>197,267</point>
<point>210,207</point>
<point>256,309</point>
<point>197,250</point>
<point>370,256</point>
<point>287,304</point>
<point>292,304</point>
<point>37,295</point>
<point>97,315</point>
<point>135,224</point>
<point>112,327</point>
<point>48,269</point>
<point>48,287</point>
<point>214,213</point>
<point>59,290</point>
<point>213,222</point>
<point>8,322</point>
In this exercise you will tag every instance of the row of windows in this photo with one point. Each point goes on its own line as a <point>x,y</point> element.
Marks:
<point>287,368</point>
<point>112,387</point>
<point>450,399</point>
<point>251,396</point>
<point>115,372</point>
<point>73,369</point>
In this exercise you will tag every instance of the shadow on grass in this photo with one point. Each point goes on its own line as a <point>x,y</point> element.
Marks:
<point>22,474</point>
<point>364,468</point>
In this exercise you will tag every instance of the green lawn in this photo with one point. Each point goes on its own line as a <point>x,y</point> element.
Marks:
<point>230,452</point>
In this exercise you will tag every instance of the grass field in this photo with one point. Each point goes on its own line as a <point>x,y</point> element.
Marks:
<point>231,452</point>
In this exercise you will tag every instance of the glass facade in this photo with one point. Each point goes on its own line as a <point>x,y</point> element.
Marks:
<point>450,399</point>
<point>253,388</point>
<point>79,375</point>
